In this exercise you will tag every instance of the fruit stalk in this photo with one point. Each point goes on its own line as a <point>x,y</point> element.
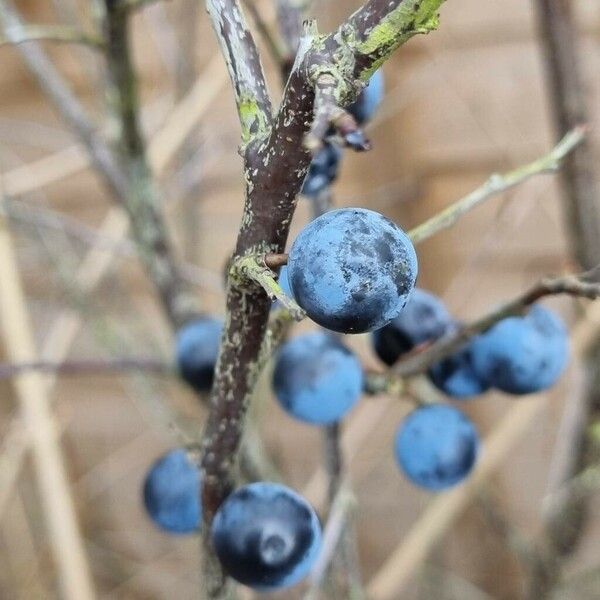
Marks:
<point>585,285</point>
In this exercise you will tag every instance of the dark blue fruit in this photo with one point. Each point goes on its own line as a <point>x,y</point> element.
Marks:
<point>436,446</point>
<point>368,100</point>
<point>317,379</point>
<point>197,347</point>
<point>323,170</point>
<point>352,270</point>
<point>172,491</point>
<point>423,319</point>
<point>522,355</point>
<point>266,536</point>
<point>455,375</point>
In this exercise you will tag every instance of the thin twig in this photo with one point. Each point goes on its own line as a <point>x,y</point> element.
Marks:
<point>125,181</point>
<point>389,581</point>
<point>250,267</point>
<point>243,62</point>
<point>498,184</point>
<point>276,47</point>
<point>51,33</point>
<point>87,367</point>
<point>341,506</point>
<point>420,361</point>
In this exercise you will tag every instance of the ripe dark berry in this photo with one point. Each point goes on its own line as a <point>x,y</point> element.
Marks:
<point>455,375</point>
<point>323,170</point>
<point>352,270</point>
<point>197,347</point>
<point>522,355</point>
<point>423,319</point>
<point>172,492</point>
<point>436,446</point>
<point>368,100</point>
<point>317,379</point>
<point>266,536</point>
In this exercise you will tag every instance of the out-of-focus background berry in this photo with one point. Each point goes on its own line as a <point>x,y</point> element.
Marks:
<point>461,103</point>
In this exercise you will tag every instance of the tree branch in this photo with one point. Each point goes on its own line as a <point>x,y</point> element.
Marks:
<point>142,201</point>
<point>581,286</point>
<point>276,47</point>
<point>51,33</point>
<point>126,183</point>
<point>328,114</point>
<point>498,184</point>
<point>564,522</point>
<point>275,167</point>
<point>335,529</point>
<point>87,367</point>
<point>245,70</point>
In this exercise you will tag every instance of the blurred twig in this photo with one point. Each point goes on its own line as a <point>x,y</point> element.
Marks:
<point>584,285</point>
<point>87,367</point>
<point>565,518</point>
<point>50,33</point>
<point>392,577</point>
<point>57,502</point>
<point>496,184</point>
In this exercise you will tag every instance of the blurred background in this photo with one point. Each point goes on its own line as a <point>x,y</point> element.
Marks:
<point>464,102</point>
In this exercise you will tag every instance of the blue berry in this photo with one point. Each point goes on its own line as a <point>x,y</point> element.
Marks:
<point>436,446</point>
<point>352,270</point>
<point>523,355</point>
<point>172,492</point>
<point>423,319</point>
<point>284,280</point>
<point>455,375</point>
<point>323,170</point>
<point>317,379</point>
<point>266,536</point>
<point>368,100</point>
<point>197,348</point>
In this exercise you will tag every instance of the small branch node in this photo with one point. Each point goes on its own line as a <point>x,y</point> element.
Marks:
<point>253,267</point>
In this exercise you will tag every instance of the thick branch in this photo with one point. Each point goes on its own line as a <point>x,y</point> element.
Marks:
<point>276,48</point>
<point>275,169</point>
<point>243,62</point>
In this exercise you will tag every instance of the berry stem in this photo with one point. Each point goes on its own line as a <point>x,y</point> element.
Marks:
<point>585,285</point>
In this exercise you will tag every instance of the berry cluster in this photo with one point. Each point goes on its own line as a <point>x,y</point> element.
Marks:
<point>352,271</point>
<point>518,355</point>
